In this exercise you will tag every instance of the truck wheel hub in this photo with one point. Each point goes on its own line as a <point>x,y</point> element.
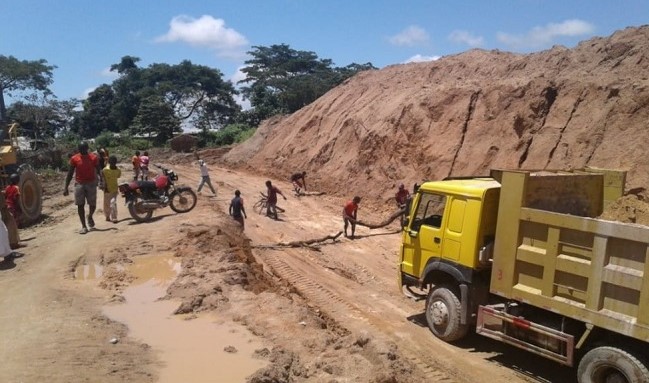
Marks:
<point>439,313</point>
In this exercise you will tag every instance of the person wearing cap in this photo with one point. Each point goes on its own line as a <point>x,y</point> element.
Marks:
<point>349,214</point>
<point>237,211</point>
<point>402,196</point>
<point>205,177</point>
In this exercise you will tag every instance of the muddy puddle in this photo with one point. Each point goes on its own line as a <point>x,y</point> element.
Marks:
<point>202,349</point>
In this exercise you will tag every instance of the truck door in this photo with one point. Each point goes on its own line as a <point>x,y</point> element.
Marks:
<point>422,239</point>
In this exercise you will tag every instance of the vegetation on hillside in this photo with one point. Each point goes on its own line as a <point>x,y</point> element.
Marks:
<point>160,100</point>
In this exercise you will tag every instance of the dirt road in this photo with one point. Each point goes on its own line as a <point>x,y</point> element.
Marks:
<point>332,314</point>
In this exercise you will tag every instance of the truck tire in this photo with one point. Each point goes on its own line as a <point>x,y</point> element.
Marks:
<point>610,364</point>
<point>443,314</point>
<point>31,196</point>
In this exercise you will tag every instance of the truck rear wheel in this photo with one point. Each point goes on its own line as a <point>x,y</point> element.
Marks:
<point>31,196</point>
<point>443,314</point>
<point>611,365</point>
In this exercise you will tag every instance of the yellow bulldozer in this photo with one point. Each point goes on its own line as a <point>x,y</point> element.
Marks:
<point>31,191</point>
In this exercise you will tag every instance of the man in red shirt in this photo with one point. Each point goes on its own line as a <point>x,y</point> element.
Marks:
<point>271,202</point>
<point>402,196</point>
<point>349,214</point>
<point>87,174</point>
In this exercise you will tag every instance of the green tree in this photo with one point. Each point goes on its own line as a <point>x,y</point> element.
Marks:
<point>156,118</point>
<point>17,75</point>
<point>280,79</point>
<point>195,92</point>
<point>41,117</point>
<point>126,65</point>
<point>97,115</point>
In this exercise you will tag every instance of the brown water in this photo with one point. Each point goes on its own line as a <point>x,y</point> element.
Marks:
<point>88,272</point>
<point>191,350</point>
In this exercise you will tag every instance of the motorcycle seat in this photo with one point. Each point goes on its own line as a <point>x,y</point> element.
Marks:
<point>146,185</point>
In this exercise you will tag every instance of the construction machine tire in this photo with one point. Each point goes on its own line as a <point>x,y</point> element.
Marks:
<point>31,196</point>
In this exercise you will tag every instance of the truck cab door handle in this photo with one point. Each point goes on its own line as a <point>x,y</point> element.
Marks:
<point>437,240</point>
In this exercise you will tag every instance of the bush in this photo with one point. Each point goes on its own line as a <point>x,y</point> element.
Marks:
<point>107,140</point>
<point>227,135</point>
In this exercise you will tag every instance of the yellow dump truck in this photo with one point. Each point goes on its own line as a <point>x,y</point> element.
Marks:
<point>31,191</point>
<point>521,257</point>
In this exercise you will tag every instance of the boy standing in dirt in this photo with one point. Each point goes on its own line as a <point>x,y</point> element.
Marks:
<point>237,211</point>
<point>205,177</point>
<point>135,161</point>
<point>349,214</point>
<point>111,175</point>
<point>12,196</point>
<point>144,166</point>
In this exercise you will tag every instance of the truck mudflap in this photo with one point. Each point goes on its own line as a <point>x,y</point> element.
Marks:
<point>494,322</point>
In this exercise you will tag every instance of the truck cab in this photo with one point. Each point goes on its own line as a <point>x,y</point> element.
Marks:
<point>448,242</point>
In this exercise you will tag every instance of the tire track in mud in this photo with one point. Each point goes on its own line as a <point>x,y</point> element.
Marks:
<point>341,310</point>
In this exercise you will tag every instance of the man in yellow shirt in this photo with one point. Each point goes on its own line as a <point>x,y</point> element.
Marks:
<point>111,175</point>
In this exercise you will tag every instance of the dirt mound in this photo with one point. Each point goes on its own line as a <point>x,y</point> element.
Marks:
<point>630,209</point>
<point>464,114</point>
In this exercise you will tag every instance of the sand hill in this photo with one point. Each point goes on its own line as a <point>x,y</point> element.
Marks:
<point>464,114</point>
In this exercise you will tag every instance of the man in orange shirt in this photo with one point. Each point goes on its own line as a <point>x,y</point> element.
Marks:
<point>84,166</point>
<point>349,214</point>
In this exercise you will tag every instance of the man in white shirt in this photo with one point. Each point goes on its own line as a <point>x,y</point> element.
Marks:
<point>205,177</point>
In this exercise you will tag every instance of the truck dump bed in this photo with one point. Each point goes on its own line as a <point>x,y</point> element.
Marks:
<point>552,252</point>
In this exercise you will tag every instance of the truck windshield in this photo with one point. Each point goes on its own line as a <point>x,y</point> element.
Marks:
<point>429,211</point>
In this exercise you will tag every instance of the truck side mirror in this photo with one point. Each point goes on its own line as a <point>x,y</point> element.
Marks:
<point>413,233</point>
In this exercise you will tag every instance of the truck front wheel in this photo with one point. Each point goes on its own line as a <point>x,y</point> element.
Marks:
<point>443,313</point>
<point>611,365</point>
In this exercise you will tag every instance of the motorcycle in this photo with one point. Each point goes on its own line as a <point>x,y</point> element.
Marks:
<point>143,197</point>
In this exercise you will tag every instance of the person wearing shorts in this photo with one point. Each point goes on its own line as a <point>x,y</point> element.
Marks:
<point>84,166</point>
<point>237,211</point>
<point>144,166</point>
<point>271,202</point>
<point>298,180</point>
<point>135,161</point>
<point>349,214</point>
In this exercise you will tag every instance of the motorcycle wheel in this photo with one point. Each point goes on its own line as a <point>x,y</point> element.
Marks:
<point>182,201</point>
<point>139,214</point>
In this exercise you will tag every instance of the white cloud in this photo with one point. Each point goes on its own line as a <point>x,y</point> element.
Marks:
<point>419,58</point>
<point>106,72</point>
<point>245,104</point>
<point>413,35</point>
<point>238,76</point>
<point>465,37</point>
<point>207,32</point>
<point>87,92</point>
<point>544,36</point>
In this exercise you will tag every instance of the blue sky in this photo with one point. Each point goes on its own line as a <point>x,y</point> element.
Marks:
<point>84,37</point>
